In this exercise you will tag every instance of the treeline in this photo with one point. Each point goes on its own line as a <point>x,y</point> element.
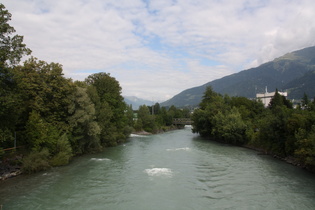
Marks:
<point>52,117</point>
<point>56,118</point>
<point>154,118</point>
<point>279,129</point>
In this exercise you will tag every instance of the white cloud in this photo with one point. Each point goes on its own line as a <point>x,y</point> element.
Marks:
<point>156,49</point>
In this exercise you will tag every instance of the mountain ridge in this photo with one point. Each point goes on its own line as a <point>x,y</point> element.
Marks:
<point>283,73</point>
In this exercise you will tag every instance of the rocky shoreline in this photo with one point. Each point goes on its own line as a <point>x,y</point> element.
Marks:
<point>8,171</point>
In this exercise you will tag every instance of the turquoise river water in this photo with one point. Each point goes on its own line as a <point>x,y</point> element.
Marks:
<point>174,170</point>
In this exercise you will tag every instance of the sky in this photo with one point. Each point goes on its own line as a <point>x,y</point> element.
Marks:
<point>158,48</point>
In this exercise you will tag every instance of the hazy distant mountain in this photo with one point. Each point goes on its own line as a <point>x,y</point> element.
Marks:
<point>294,72</point>
<point>136,102</point>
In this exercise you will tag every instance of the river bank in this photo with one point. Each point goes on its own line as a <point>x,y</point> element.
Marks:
<point>159,131</point>
<point>12,167</point>
<point>289,159</point>
<point>164,171</point>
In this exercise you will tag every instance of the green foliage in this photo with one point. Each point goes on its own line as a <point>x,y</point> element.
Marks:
<point>12,48</point>
<point>129,116</point>
<point>155,118</point>
<point>164,118</point>
<point>146,121</point>
<point>138,125</point>
<point>286,74</point>
<point>62,152</point>
<point>202,123</point>
<point>36,161</point>
<point>306,147</point>
<point>6,137</point>
<point>229,127</point>
<point>39,134</point>
<point>84,129</point>
<point>211,105</point>
<point>55,117</point>
<point>209,97</point>
<point>44,89</point>
<point>110,107</point>
<point>279,130</point>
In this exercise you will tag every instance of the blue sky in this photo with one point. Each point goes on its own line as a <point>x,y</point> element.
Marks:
<point>156,49</point>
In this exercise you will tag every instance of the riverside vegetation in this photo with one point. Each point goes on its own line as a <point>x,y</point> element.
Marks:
<point>53,118</point>
<point>279,129</point>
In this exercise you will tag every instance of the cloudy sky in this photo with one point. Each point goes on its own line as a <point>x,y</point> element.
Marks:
<point>158,48</point>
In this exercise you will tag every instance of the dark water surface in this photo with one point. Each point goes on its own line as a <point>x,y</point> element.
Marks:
<point>175,170</point>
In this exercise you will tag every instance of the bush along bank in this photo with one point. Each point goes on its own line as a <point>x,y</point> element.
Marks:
<point>280,130</point>
<point>53,117</point>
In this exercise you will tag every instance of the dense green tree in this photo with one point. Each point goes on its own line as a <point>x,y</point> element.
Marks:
<point>209,97</point>
<point>185,113</point>
<point>12,49</point>
<point>276,100</point>
<point>54,117</point>
<point>279,100</point>
<point>279,130</point>
<point>248,109</point>
<point>138,126</point>
<point>36,161</point>
<point>110,107</point>
<point>146,121</point>
<point>62,151</point>
<point>129,116</point>
<point>44,89</point>
<point>305,151</point>
<point>40,134</point>
<point>85,130</point>
<point>273,130</point>
<point>157,108</point>
<point>229,127</point>
<point>164,118</point>
<point>202,123</point>
<point>211,104</point>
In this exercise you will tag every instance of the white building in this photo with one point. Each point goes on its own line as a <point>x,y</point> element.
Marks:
<point>266,97</point>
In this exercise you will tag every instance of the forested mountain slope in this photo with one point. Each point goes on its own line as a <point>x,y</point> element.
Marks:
<point>291,72</point>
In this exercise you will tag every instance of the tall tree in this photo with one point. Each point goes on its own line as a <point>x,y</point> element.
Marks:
<point>229,127</point>
<point>209,97</point>
<point>44,89</point>
<point>145,119</point>
<point>305,101</point>
<point>110,107</point>
<point>276,100</point>
<point>84,129</point>
<point>12,49</point>
<point>279,100</point>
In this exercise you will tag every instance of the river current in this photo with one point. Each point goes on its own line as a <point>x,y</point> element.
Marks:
<point>174,170</point>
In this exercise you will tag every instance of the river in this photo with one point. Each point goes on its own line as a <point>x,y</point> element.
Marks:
<point>174,170</point>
